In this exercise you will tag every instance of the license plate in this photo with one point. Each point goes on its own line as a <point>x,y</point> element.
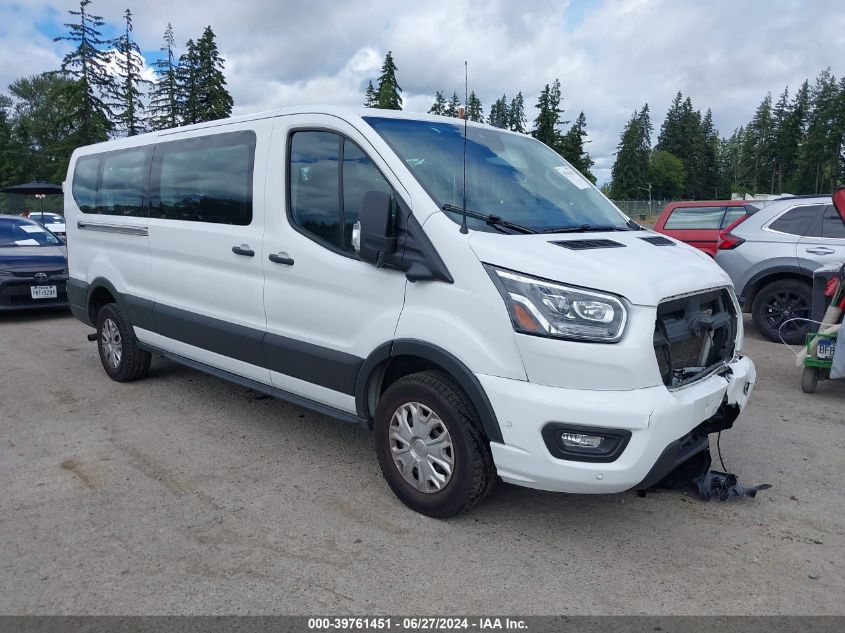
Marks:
<point>826,350</point>
<point>43,292</point>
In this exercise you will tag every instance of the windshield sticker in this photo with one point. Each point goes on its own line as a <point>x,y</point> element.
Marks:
<point>573,176</point>
<point>26,243</point>
<point>31,228</point>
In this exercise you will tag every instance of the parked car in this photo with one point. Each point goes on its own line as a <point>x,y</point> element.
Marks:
<point>53,222</point>
<point>324,256</point>
<point>771,254</point>
<point>33,266</point>
<point>698,222</point>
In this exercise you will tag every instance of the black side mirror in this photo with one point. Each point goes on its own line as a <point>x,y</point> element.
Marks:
<point>372,235</point>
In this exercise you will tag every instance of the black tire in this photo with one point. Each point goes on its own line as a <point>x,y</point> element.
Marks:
<point>810,379</point>
<point>777,303</point>
<point>473,472</point>
<point>133,363</point>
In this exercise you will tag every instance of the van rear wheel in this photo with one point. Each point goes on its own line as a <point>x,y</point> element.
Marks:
<point>430,447</point>
<point>120,355</point>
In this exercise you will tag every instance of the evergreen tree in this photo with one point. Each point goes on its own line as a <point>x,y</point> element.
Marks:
<point>757,146</point>
<point>88,64</point>
<point>439,105</point>
<point>630,172</point>
<point>708,155</point>
<point>214,100</point>
<point>475,111</point>
<point>516,115</point>
<point>499,115</point>
<point>452,106</point>
<point>389,97</point>
<point>164,97</point>
<point>730,155</point>
<point>370,96</point>
<point>187,74</point>
<point>790,136</point>
<point>128,89</point>
<point>780,119</point>
<point>669,139</point>
<point>6,145</point>
<point>548,119</point>
<point>819,164</point>
<point>571,147</point>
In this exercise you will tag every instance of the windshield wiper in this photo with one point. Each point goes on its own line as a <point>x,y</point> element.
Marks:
<point>492,220</point>
<point>585,228</point>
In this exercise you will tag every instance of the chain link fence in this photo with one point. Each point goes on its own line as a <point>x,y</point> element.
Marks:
<point>642,210</point>
<point>14,203</point>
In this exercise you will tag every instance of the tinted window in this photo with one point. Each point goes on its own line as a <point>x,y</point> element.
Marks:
<point>695,218</point>
<point>122,182</point>
<point>796,221</point>
<point>85,176</point>
<point>317,205</point>
<point>732,214</point>
<point>204,179</point>
<point>832,224</point>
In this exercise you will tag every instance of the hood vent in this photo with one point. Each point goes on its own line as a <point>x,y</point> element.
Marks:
<point>657,240</point>
<point>584,245</point>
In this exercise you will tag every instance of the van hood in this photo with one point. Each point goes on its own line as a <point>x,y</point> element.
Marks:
<point>643,272</point>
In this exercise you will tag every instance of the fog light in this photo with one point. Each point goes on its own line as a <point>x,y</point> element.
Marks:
<point>577,440</point>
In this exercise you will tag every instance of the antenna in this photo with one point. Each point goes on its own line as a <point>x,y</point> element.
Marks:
<point>464,229</point>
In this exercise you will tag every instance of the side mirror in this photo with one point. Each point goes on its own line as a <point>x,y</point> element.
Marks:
<point>372,234</point>
<point>839,202</point>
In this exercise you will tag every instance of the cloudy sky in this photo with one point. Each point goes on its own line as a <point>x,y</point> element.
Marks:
<point>611,55</point>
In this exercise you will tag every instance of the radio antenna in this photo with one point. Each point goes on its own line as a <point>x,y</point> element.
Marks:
<point>466,115</point>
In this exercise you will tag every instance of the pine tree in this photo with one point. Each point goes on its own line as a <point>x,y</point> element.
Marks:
<point>790,137</point>
<point>164,97</point>
<point>389,93</point>
<point>669,139</point>
<point>88,65</point>
<point>757,145</point>
<point>439,105</point>
<point>499,115</point>
<point>187,74</point>
<point>475,111</point>
<point>516,115</point>
<point>571,147</point>
<point>214,99</point>
<point>708,156</point>
<point>630,171</point>
<point>370,96</point>
<point>548,119</point>
<point>129,87</point>
<point>820,160</point>
<point>730,155</point>
<point>452,106</point>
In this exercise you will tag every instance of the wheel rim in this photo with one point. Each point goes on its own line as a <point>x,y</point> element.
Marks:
<point>780,307</point>
<point>112,344</point>
<point>421,447</point>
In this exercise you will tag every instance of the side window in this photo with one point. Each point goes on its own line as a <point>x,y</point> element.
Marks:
<point>204,179</point>
<point>732,214</point>
<point>796,221</point>
<point>329,178</point>
<point>832,224</point>
<point>695,218</point>
<point>123,182</point>
<point>85,176</point>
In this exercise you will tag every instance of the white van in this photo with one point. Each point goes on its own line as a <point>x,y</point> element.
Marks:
<point>318,255</point>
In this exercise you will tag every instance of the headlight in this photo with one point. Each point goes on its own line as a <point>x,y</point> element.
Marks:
<point>545,308</point>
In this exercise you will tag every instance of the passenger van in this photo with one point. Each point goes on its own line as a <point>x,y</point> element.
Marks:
<point>511,323</point>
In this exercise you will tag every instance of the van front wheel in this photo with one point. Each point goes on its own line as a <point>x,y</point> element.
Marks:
<point>122,359</point>
<point>430,447</point>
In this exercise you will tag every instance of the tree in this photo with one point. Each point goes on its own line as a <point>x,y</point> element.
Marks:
<point>757,146</point>
<point>548,119</point>
<point>630,174</point>
<point>88,65</point>
<point>389,93</point>
<point>499,115</point>
<point>214,100</point>
<point>8,149</point>
<point>370,96</point>
<point>452,106</point>
<point>439,105</point>
<point>667,175</point>
<point>516,115</point>
<point>475,111</point>
<point>128,87</point>
<point>164,97</point>
<point>819,164</point>
<point>571,147</point>
<point>730,155</point>
<point>707,155</point>
<point>187,74</point>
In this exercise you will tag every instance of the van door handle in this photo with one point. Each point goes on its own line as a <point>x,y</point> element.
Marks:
<point>821,250</point>
<point>243,249</point>
<point>281,258</point>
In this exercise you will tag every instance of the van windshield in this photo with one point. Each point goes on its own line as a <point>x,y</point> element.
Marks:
<point>511,176</point>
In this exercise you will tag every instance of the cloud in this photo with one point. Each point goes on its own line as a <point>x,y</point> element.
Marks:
<point>610,56</point>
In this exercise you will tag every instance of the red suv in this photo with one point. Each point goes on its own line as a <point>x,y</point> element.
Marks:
<point>698,222</point>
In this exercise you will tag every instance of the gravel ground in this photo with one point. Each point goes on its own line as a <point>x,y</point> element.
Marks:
<point>185,494</point>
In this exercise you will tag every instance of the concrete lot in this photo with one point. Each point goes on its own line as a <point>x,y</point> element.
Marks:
<point>186,494</point>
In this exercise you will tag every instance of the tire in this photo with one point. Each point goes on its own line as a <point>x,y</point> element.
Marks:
<point>436,412</point>
<point>810,379</point>
<point>777,303</point>
<point>120,355</point>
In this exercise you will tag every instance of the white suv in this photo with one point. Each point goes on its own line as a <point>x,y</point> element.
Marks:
<point>323,255</point>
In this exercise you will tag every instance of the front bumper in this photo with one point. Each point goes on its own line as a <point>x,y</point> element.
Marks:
<point>656,418</point>
<point>15,292</point>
